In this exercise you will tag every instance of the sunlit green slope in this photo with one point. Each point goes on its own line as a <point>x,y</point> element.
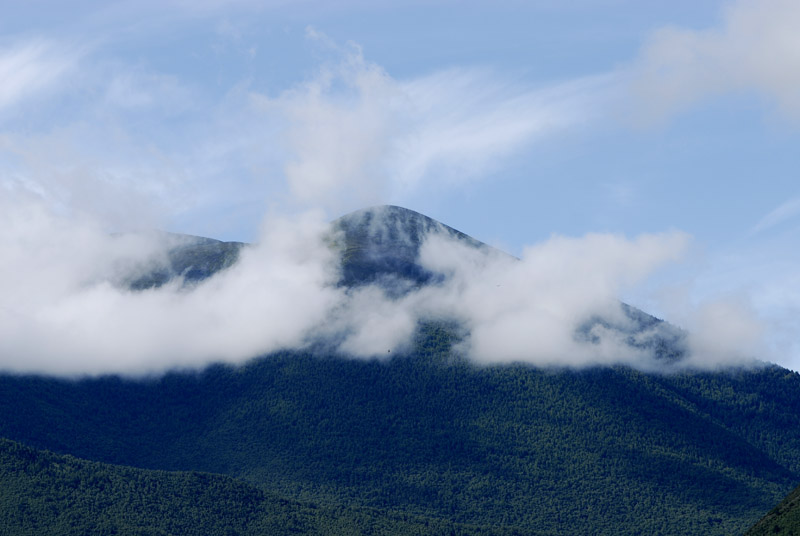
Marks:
<point>783,520</point>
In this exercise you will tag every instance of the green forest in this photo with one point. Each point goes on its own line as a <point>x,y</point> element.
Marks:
<point>511,448</point>
<point>42,493</point>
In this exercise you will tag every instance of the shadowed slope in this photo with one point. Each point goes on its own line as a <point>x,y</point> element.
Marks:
<point>43,493</point>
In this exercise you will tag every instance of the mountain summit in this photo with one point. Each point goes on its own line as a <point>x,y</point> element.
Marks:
<point>384,242</point>
<point>382,245</point>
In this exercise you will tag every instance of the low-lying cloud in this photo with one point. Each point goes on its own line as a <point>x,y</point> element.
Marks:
<point>66,306</point>
<point>65,302</point>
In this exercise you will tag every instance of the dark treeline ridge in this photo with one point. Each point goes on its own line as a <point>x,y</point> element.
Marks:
<point>42,494</point>
<point>600,451</point>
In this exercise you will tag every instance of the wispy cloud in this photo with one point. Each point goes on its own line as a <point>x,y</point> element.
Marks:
<point>30,67</point>
<point>467,119</point>
<point>785,211</point>
<point>358,136</point>
<point>350,135</point>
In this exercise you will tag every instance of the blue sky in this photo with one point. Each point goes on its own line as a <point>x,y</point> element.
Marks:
<point>511,121</point>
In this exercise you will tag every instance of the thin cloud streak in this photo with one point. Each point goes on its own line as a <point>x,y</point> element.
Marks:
<point>785,211</point>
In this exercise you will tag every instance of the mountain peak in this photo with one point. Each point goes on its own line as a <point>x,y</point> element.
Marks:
<point>399,225</point>
<point>383,243</point>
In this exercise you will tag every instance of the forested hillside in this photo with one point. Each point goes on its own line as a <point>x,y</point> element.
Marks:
<point>42,494</point>
<point>514,446</point>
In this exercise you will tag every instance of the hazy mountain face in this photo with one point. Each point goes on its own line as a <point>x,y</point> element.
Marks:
<point>359,287</point>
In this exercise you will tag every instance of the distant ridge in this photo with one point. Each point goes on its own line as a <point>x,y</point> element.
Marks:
<point>193,258</point>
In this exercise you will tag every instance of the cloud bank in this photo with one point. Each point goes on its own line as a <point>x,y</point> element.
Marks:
<point>352,135</point>
<point>67,307</point>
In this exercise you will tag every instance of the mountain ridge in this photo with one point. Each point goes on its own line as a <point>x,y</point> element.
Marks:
<point>381,246</point>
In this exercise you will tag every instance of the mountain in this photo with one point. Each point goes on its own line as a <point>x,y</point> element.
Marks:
<point>783,520</point>
<point>599,451</point>
<point>426,436</point>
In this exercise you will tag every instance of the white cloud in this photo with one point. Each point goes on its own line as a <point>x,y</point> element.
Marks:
<point>349,136</point>
<point>724,333</point>
<point>465,120</point>
<point>755,48</point>
<point>520,310</point>
<point>530,310</point>
<point>65,309</point>
<point>339,127</point>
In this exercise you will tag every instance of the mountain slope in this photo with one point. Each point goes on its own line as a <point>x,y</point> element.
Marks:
<point>601,451</point>
<point>381,245</point>
<point>43,493</point>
